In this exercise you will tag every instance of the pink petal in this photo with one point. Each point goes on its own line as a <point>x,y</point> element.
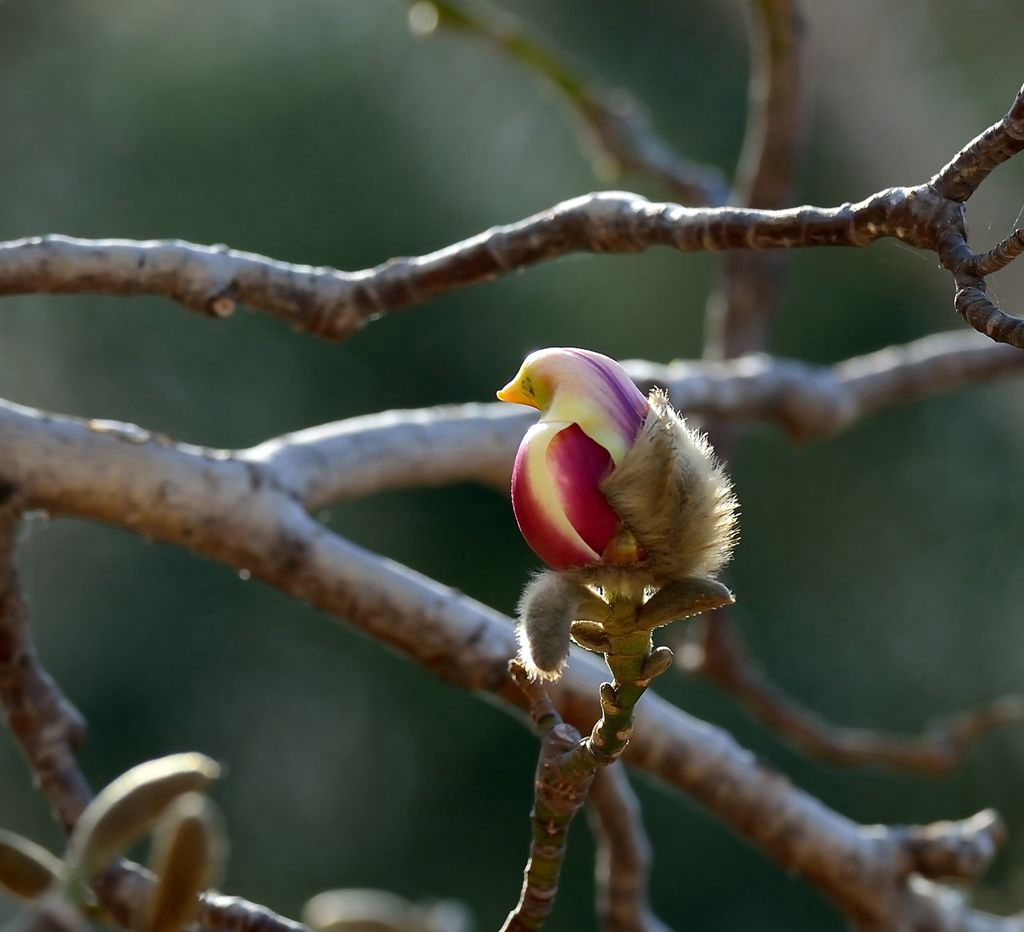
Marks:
<point>537,502</point>
<point>578,465</point>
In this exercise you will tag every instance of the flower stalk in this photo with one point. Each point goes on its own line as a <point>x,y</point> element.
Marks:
<point>633,662</point>
<point>567,761</point>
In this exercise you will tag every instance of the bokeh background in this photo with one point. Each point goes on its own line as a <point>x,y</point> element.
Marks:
<point>879,573</point>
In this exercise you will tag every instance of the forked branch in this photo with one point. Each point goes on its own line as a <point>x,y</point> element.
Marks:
<point>335,304</point>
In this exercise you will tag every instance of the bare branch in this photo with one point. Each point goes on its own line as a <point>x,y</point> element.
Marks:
<point>957,181</point>
<point>233,914</point>
<point>235,512</point>
<point>395,449</point>
<point>998,257</point>
<point>971,299</point>
<point>966,171</point>
<point>962,850</point>
<point>333,304</point>
<point>772,147</point>
<point>125,887</point>
<point>562,781</point>
<point>623,854</point>
<point>616,123</point>
<point>813,401</point>
<point>47,727</point>
<point>722,657</point>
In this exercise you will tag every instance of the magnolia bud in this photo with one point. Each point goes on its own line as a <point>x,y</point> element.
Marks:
<point>618,496</point>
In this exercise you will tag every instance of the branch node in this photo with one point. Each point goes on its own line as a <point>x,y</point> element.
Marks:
<point>960,850</point>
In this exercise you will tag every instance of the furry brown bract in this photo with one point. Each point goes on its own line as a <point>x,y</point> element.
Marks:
<point>674,496</point>
<point>549,604</point>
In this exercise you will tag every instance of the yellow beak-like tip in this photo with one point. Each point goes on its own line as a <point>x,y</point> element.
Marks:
<point>514,394</point>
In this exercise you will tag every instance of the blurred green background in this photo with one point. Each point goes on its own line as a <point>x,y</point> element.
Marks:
<point>879,573</point>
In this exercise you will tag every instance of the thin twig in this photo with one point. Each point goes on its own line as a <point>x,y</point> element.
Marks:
<point>957,181</point>
<point>334,304</point>
<point>615,122</point>
<point>959,850</point>
<point>722,657</point>
<point>128,885</point>
<point>623,861</point>
<point>971,299</point>
<point>561,785</point>
<point>47,727</point>
<point>998,257</point>
<point>567,762</point>
<point>965,172</point>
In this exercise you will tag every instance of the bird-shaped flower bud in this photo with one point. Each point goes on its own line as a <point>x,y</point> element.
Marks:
<point>613,490</point>
<point>591,414</point>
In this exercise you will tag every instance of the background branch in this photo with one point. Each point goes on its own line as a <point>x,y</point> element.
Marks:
<point>47,727</point>
<point>562,781</point>
<point>742,306</point>
<point>624,856</point>
<point>722,657</point>
<point>616,124</point>
<point>49,730</point>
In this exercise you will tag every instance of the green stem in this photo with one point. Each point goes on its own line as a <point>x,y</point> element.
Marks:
<point>567,764</point>
<point>628,658</point>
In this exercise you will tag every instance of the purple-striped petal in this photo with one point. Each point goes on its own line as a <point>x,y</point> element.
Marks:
<point>603,379</point>
<point>577,386</point>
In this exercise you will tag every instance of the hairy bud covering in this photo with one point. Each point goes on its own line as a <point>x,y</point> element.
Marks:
<point>675,498</point>
<point>546,610</point>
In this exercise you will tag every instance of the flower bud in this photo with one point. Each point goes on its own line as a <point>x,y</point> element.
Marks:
<point>619,497</point>
<point>612,486</point>
<point>129,807</point>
